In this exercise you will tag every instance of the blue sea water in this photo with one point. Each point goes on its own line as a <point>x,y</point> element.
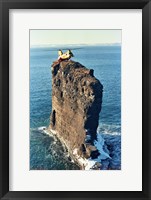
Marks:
<point>47,153</point>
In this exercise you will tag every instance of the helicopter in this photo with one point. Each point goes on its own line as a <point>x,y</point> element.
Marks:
<point>64,56</point>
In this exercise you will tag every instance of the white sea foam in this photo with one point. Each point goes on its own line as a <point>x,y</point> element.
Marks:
<point>45,130</point>
<point>104,158</point>
<point>99,143</point>
<point>110,129</point>
<point>86,163</point>
<point>41,128</point>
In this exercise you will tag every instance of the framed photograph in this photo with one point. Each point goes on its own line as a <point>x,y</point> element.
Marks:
<point>75,99</point>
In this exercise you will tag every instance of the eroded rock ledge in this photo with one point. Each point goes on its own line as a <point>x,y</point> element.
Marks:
<point>76,104</point>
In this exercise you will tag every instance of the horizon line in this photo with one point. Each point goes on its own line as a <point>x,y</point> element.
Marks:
<point>84,44</point>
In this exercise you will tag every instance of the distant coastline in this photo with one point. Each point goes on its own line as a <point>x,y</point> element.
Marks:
<point>75,45</point>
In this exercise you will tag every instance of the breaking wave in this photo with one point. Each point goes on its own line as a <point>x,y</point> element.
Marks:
<point>112,145</point>
<point>52,155</point>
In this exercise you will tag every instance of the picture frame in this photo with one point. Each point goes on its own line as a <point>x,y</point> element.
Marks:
<point>5,5</point>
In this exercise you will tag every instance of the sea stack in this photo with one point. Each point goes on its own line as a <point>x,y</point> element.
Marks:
<point>76,104</point>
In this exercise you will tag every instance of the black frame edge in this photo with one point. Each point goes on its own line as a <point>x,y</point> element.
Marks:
<point>1,98</point>
<point>75,4</point>
<point>5,5</point>
<point>146,102</point>
<point>149,184</point>
<point>149,101</point>
<point>5,100</point>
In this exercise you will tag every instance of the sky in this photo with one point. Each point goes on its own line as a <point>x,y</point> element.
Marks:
<point>87,37</point>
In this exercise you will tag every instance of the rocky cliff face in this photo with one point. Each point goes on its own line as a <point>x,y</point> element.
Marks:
<point>76,104</point>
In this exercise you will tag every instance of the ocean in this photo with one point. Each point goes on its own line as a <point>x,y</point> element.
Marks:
<point>47,153</point>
